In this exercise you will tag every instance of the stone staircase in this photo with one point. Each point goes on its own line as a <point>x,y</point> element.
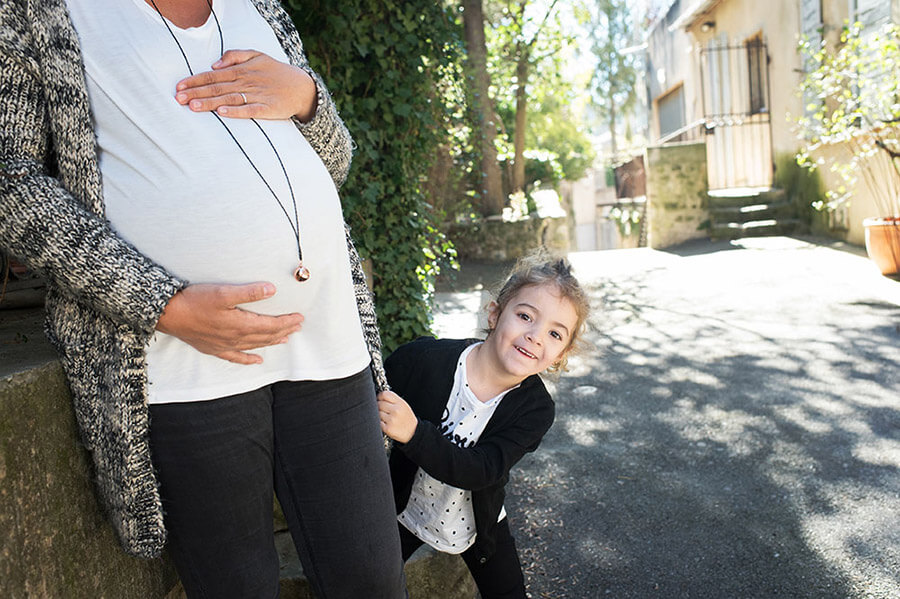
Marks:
<point>751,213</point>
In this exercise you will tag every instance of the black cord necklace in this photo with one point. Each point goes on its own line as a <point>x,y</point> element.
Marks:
<point>301,273</point>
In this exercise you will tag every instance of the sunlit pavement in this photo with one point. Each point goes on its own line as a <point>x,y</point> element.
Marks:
<point>731,431</point>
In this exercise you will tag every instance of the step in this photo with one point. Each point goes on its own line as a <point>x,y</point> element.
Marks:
<point>722,199</point>
<point>752,212</point>
<point>755,228</point>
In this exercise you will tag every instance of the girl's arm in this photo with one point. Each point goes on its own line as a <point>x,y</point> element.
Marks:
<point>489,460</point>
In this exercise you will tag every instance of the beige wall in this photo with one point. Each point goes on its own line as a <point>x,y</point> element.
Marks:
<point>864,203</point>
<point>581,195</point>
<point>675,65</point>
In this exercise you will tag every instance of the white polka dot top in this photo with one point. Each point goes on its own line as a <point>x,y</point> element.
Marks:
<point>439,514</point>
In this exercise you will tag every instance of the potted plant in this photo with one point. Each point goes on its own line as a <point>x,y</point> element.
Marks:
<point>852,126</point>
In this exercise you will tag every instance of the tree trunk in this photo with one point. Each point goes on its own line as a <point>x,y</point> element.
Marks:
<point>518,183</point>
<point>485,129</point>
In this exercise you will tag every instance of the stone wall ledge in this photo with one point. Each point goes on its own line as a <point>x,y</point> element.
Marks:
<point>54,540</point>
<point>495,240</point>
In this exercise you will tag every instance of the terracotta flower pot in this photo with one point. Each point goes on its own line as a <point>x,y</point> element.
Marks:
<point>883,243</point>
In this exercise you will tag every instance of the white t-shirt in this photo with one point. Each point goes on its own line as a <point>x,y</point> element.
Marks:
<point>177,187</point>
<point>439,514</point>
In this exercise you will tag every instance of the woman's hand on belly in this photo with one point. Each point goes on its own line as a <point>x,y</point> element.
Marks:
<point>249,84</point>
<point>207,318</point>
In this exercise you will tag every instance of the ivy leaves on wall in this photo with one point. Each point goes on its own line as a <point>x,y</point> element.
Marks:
<point>383,62</point>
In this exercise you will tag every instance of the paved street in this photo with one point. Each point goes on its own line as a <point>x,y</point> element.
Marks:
<point>732,430</point>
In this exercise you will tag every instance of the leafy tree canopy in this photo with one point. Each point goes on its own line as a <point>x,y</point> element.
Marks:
<point>611,35</point>
<point>536,31</point>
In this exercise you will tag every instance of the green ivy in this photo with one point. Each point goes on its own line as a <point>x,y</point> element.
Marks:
<point>386,63</point>
<point>803,186</point>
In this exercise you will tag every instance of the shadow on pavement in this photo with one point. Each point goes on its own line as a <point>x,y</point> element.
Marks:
<point>727,436</point>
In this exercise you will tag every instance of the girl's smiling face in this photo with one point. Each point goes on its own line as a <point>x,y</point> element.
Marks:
<point>532,332</point>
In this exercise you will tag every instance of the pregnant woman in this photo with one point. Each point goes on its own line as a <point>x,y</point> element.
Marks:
<point>172,167</point>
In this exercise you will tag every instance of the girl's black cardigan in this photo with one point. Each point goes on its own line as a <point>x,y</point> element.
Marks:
<point>421,372</point>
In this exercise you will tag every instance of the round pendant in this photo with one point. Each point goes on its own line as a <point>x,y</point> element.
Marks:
<point>302,273</point>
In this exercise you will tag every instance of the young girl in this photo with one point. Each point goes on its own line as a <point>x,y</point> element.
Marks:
<point>465,411</point>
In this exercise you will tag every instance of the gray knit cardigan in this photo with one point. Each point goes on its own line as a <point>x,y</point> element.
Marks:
<point>104,297</point>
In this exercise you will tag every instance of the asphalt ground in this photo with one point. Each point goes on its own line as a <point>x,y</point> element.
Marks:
<point>731,431</point>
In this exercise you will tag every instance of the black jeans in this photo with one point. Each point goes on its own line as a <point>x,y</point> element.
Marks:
<point>500,577</point>
<point>319,445</point>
